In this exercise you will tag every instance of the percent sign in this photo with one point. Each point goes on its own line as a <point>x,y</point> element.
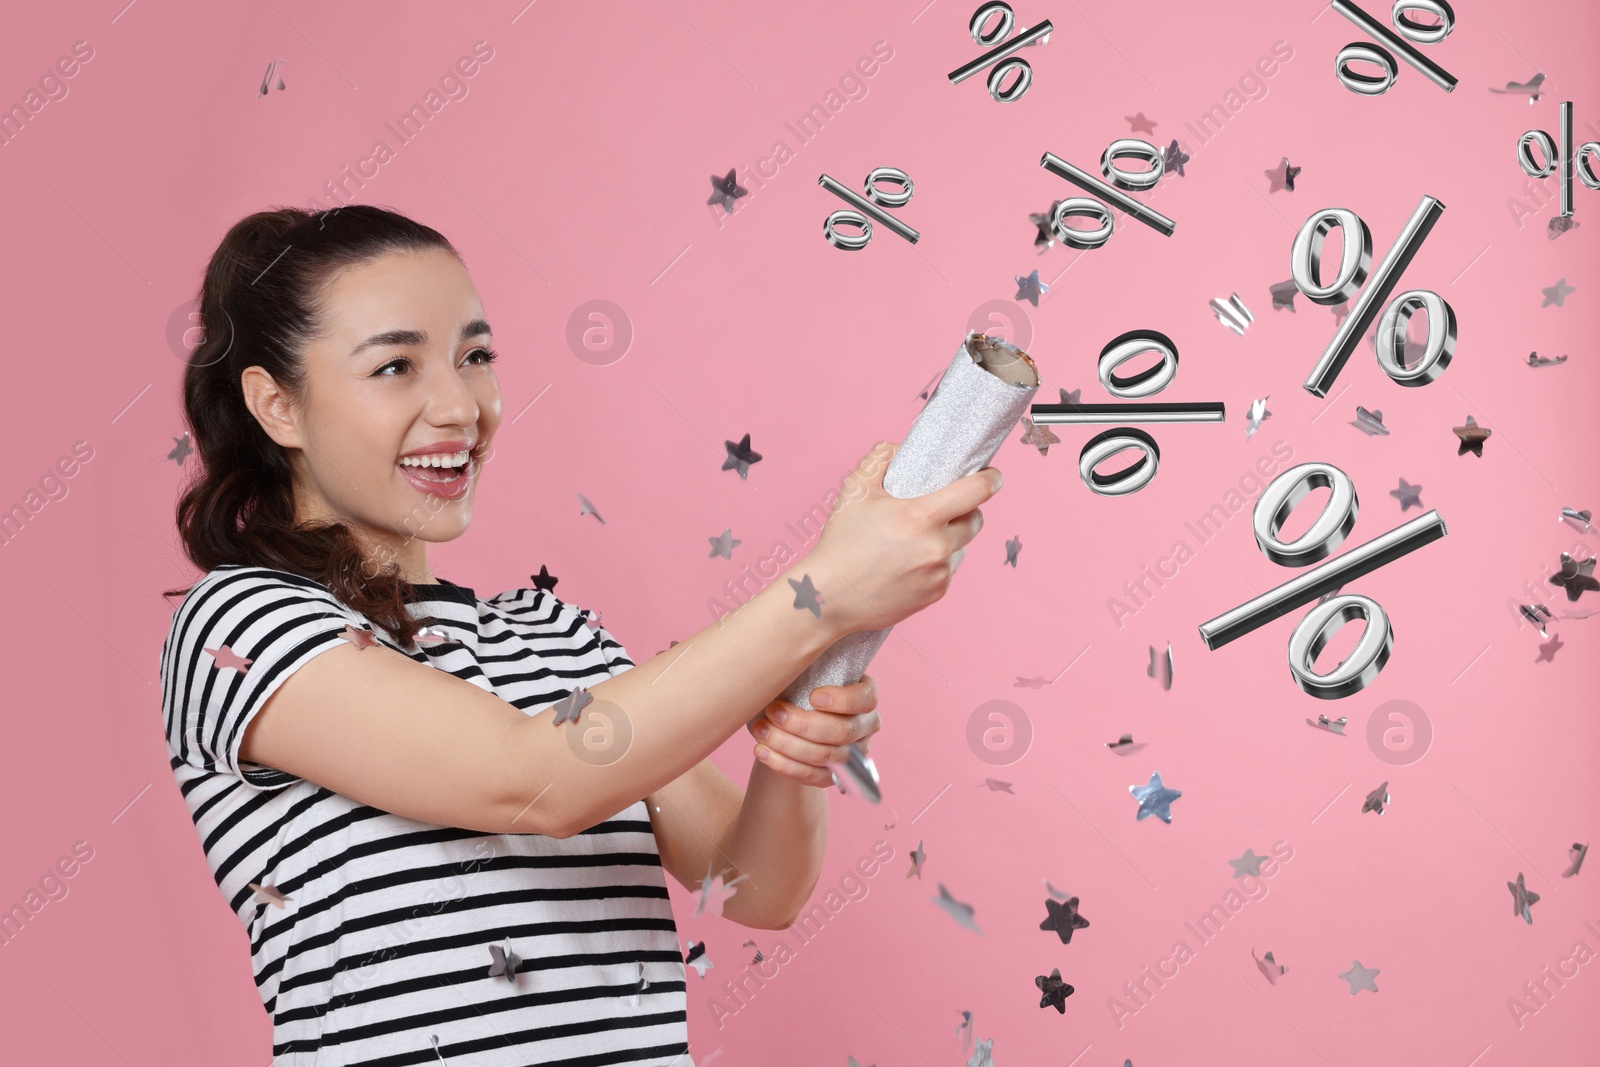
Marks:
<point>1327,532</point>
<point>1565,158</point>
<point>1305,262</point>
<point>1086,207</point>
<point>1103,446</point>
<point>995,55</point>
<point>1420,32</point>
<point>854,242</point>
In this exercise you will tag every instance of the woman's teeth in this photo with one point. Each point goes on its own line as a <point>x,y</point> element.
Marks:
<point>437,459</point>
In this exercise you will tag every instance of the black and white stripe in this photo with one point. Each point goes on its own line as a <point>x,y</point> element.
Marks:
<point>383,944</point>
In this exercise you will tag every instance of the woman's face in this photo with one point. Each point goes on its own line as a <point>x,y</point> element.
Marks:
<point>401,369</point>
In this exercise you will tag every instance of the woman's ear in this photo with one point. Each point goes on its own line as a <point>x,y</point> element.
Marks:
<point>271,406</point>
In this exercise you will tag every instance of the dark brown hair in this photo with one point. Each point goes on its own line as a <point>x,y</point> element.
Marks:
<point>260,301</point>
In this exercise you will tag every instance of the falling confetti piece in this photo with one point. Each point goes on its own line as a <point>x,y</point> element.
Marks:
<point>893,817</point>
<point>917,856</point>
<point>1376,799</point>
<point>543,580</point>
<point>1054,892</point>
<point>714,893</point>
<point>983,1055</point>
<point>723,545</point>
<point>435,1039</point>
<point>1013,546</point>
<point>1055,991</point>
<point>586,508</point>
<point>1030,288</point>
<point>1370,422</point>
<point>726,190</point>
<point>1575,856</point>
<point>1271,969</point>
<point>1557,294</point>
<point>740,456</point>
<point>1173,158</point>
<point>961,913</point>
<point>1575,577</point>
<point>1125,745</point>
<point>1578,520</point>
<point>568,707</point>
<point>225,658</point>
<point>1258,411</point>
<point>1537,614</point>
<point>1249,863</point>
<point>1472,437</point>
<point>505,963</point>
<point>1333,726</point>
<point>696,957</point>
<point>996,785</point>
<point>1408,495</point>
<point>1041,437</point>
<point>361,638</point>
<point>1063,918</point>
<point>1559,225</point>
<point>1283,294</point>
<point>640,985</point>
<point>1232,313</point>
<point>1283,175</point>
<point>1139,124</point>
<point>1045,239</point>
<point>806,596</point>
<point>1360,977</point>
<point>180,448</point>
<point>1154,799</point>
<point>1535,360</point>
<point>965,1024</point>
<point>1531,87</point>
<point>1548,650</point>
<point>1161,668</point>
<point>1522,899</point>
<point>270,895</point>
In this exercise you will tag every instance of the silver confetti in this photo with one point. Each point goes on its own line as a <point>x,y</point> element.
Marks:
<point>1232,313</point>
<point>1522,899</point>
<point>1536,360</point>
<point>1333,726</point>
<point>1578,520</point>
<point>1575,856</point>
<point>1370,422</point>
<point>1161,666</point>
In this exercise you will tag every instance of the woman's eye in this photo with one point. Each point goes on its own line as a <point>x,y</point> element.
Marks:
<point>392,363</point>
<point>489,355</point>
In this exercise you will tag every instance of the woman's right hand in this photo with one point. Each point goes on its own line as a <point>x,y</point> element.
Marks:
<point>880,558</point>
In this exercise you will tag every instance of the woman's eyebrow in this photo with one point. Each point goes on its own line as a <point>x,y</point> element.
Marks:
<point>417,337</point>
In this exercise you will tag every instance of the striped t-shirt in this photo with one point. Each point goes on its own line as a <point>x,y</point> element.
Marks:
<point>380,952</point>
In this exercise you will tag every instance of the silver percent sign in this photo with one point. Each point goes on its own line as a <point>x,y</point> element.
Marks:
<point>1563,157</point>
<point>1140,384</point>
<point>1305,264</point>
<point>1087,207</point>
<point>997,55</point>
<point>854,242</point>
<point>1327,532</point>
<point>1410,28</point>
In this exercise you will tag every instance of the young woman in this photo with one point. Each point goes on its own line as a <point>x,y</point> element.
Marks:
<point>397,783</point>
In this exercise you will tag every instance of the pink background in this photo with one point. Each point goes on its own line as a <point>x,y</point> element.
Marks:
<point>575,168</point>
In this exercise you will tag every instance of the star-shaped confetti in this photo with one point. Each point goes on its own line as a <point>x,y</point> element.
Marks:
<point>740,456</point>
<point>1173,158</point>
<point>1472,437</point>
<point>1013,546</point>
<point>1370,422</point>
<point>1537,614</point>
<point>806,595</point>
<point>1139,124</point>
<point>269,895</point>
<point>1376,799</point>
<point>1575,577</point>
<point>1559,225</point>
<point>1557,294</point>
<point>360,637</point>
<point>961,913</point>
<point>1271,969</point>
<point>696,957</point>
<point>1063,918</point>
<point>983,1054</point>
<point>1154,799</point>
<point>714,893</point>
<point>1578,520</point>
<point>1360,977</point>
<point>586,508</point>
<point>997,786</point>
<point>1282,176</point>
<point>1575,856</point>
<point>917,856</point>
<point>1249,863</point>
<point>1283,295</point>
<point>569,706</point>
<point>1258,411</point>
<point>726,190</point>
<point>180,448</point>
<point>1045,237</point>
<point>1408,495</point>
<point>225,658</point>
<point>1069,396</point>
<point>1030,288</point>
<point>1054,991</point>
<point>505,963</point>
<point>543,580</point>
<point>1522,899</point>
<point>1333,726</point>
<point>1548,650</point>
<point>723,545</point>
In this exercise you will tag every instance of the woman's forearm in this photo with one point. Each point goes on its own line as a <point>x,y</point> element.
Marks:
<point>666,714</point>
<point>777,841</point>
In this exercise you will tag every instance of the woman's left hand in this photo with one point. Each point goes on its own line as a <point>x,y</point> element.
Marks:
<point>801,743</point>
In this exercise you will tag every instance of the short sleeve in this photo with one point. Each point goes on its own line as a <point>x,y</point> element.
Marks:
<point>616,657</point>
<point>237,636</point>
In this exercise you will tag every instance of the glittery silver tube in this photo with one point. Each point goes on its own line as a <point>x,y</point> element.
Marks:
<point>985,390</point>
